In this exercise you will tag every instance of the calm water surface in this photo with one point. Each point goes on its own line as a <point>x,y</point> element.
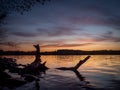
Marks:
<point>99,72</point>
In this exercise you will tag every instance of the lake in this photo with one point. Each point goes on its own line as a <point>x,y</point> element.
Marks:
<point>99,72</point>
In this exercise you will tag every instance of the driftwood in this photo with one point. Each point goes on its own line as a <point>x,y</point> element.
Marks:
<point>76,66</point>
<point>74,69</point>
<point>36,65</point>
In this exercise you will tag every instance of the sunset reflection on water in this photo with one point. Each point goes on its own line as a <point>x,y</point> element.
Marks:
<point>99,70</point>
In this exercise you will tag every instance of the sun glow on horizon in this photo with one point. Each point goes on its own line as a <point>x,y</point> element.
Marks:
<point>70,47</point>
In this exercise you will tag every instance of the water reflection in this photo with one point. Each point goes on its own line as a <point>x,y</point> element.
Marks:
<point>79,76</point>
<point>102,71</point>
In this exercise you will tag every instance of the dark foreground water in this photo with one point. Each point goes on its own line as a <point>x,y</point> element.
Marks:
<point>100,72</point>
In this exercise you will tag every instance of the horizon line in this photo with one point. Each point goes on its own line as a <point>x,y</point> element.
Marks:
<point>61,49</point>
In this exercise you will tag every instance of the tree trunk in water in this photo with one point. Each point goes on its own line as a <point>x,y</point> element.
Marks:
<point>36,65</point>
<point>37,56</point>
<point>76,66</point>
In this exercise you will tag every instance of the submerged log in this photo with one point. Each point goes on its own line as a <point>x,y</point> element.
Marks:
<point>81,62</point>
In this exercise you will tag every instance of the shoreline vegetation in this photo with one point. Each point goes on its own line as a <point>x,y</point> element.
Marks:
<point>63,52</point>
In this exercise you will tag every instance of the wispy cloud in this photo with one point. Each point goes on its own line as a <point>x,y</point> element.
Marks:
<point>105,37</point>
<point>3,34</point>
<point>11,44</point>
<point>92,13</point>
<point>25,34</point>
<point>67,45</point>
<point>57,31</point>
<point>110,37</point>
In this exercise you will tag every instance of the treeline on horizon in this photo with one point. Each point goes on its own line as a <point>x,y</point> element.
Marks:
<point>63,52</point>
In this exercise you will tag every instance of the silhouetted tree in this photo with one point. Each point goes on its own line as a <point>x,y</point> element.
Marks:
<point>7,6</point>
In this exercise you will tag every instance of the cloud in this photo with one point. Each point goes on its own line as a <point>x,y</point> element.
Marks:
<point>108,36</point>
<point>11,44</point>
<point>105,37</point>
<point>111,16</point>
<point>67,45</point>
<point>57,31</point>
<point>3,34</point>
<point>92,13</point>
<point>25,34</point>
<point>112,21</point>
<point>63,31</point>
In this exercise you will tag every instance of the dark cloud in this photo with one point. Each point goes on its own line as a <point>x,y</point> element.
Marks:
<point>11,44</point>
<point>3,34</point>
<point>25,34</point>
<point>58,41</point>
<point>108,37</point>
<point>111,15</point>
<point>103,12</point>
<point>63,31</point>
<point>105,37</point>
<point>57,31</point>
<point>108,20</point>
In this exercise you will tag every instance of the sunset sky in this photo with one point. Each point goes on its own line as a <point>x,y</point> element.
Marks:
<point>64,24</point>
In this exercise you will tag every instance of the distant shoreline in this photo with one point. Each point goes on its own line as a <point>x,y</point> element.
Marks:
<point>63,52</point>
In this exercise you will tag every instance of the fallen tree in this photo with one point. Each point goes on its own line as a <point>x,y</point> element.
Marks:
<point>76,66</point>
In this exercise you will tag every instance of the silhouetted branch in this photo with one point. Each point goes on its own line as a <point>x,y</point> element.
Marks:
<point>81,62</point>
<point>76,66</point>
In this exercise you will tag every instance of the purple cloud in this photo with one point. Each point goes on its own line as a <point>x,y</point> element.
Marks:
<point>67,45</point>
<point>105,37</point>
<point>57,31</point>
<point>25,34</point>
<point>3,34</point>
<point>11,44</point>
